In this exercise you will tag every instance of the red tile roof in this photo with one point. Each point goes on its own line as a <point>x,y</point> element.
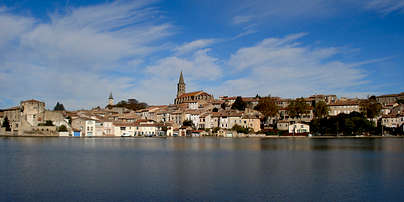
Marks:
<point>193,94</point>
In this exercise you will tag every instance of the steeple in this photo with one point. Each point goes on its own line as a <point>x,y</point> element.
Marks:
<point>181,86</point>
<point>181,79</point>
<point>110,99</point>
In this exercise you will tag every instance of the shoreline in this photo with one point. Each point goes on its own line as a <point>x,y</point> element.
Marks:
<point>261,137</point>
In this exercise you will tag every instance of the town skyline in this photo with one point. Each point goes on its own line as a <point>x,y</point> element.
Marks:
<point>181,89</point>
<point>77,53</point>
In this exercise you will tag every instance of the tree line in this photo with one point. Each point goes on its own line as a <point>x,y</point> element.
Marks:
<point>355,123</point>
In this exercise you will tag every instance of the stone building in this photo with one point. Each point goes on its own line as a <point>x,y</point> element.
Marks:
<point>345,107</point>
<point>182,96</point>
<point>13,115</point>
<point>389,99</point>
<point>30,116</point>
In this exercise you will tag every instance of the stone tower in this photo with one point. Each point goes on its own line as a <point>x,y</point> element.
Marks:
<point>110,99</point>
<point>180,86</point>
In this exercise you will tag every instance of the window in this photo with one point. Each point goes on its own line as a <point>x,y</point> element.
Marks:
<point>123,128</point>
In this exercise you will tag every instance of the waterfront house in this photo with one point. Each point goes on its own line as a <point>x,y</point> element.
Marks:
<point>104,127</point>
<point>85,125</point>
<point>124,128</point>
<point>299,128</point>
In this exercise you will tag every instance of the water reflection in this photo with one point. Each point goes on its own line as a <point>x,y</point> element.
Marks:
<point>172,169</point>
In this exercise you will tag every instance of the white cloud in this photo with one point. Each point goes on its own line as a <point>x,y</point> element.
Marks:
<point>67,59</point>
<point>163,76</point>
<point>241,19</point>
<point>273,10</point>
<point>199,66</point>
<point>12,27</point>
<point>386,6</point>
<point>194,45</point>
<point>284,67</point>
<point>84,53</point>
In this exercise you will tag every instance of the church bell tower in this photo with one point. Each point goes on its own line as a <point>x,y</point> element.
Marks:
<point>181,86</point>
<point>110,99</point>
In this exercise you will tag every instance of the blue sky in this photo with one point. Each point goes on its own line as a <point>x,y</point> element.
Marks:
<point>76,52</point>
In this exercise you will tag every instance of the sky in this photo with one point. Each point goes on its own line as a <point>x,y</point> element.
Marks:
<point>76,52</point>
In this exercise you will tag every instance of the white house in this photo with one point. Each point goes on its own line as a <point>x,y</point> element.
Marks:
<point>124,129</point>
<point>299,128</point>
<point>85,125</point>
<point>104,128</point>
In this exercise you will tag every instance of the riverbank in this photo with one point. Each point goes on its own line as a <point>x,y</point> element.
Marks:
<point>264,137</point>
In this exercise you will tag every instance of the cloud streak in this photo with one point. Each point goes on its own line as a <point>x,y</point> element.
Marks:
<point>194,45</point>
<point>68,57</point>
<point>386,6</point>
<point>285,67</point>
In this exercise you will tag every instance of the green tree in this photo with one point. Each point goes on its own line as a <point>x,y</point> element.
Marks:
<point>215,129</point>
<point>47,123</point>
<point>59,107</point>
<point>239,104</point>
<point>267,106</point>
<point>321,109</point>
<point>132,104</point>
<point>188,123</point>
<point>348,124</point>
<point>6,124</point>
<point>298,107</point>
<point>241,129</point>
<point>370,107</point>
<point>62,128</point>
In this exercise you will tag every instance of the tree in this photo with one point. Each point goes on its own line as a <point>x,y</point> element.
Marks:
<point>298,107</point>
<point>6,124</point>
<point>321,109</point>
<point>47,123</point>
<point>132,104</point>
<point>239,104</point>
<point>188,123</point>
<point>267,106</point>
<point>370,107</point>
<point>62,128</point>
<point>241,129</point>
<point>215,129</point>
<point>59,107</point>
<point>348,124</point>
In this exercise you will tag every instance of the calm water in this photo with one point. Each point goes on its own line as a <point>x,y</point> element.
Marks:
<point>179,169</point>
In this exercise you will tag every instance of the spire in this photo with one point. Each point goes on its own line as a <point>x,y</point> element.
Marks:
<point>110,96</point>
<point>181,86</point>
<point>181,79</point>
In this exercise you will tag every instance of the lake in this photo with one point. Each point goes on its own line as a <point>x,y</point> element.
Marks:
<point>201,169</point>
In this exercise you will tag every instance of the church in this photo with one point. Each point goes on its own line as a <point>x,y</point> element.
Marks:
<point>196,96</point>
